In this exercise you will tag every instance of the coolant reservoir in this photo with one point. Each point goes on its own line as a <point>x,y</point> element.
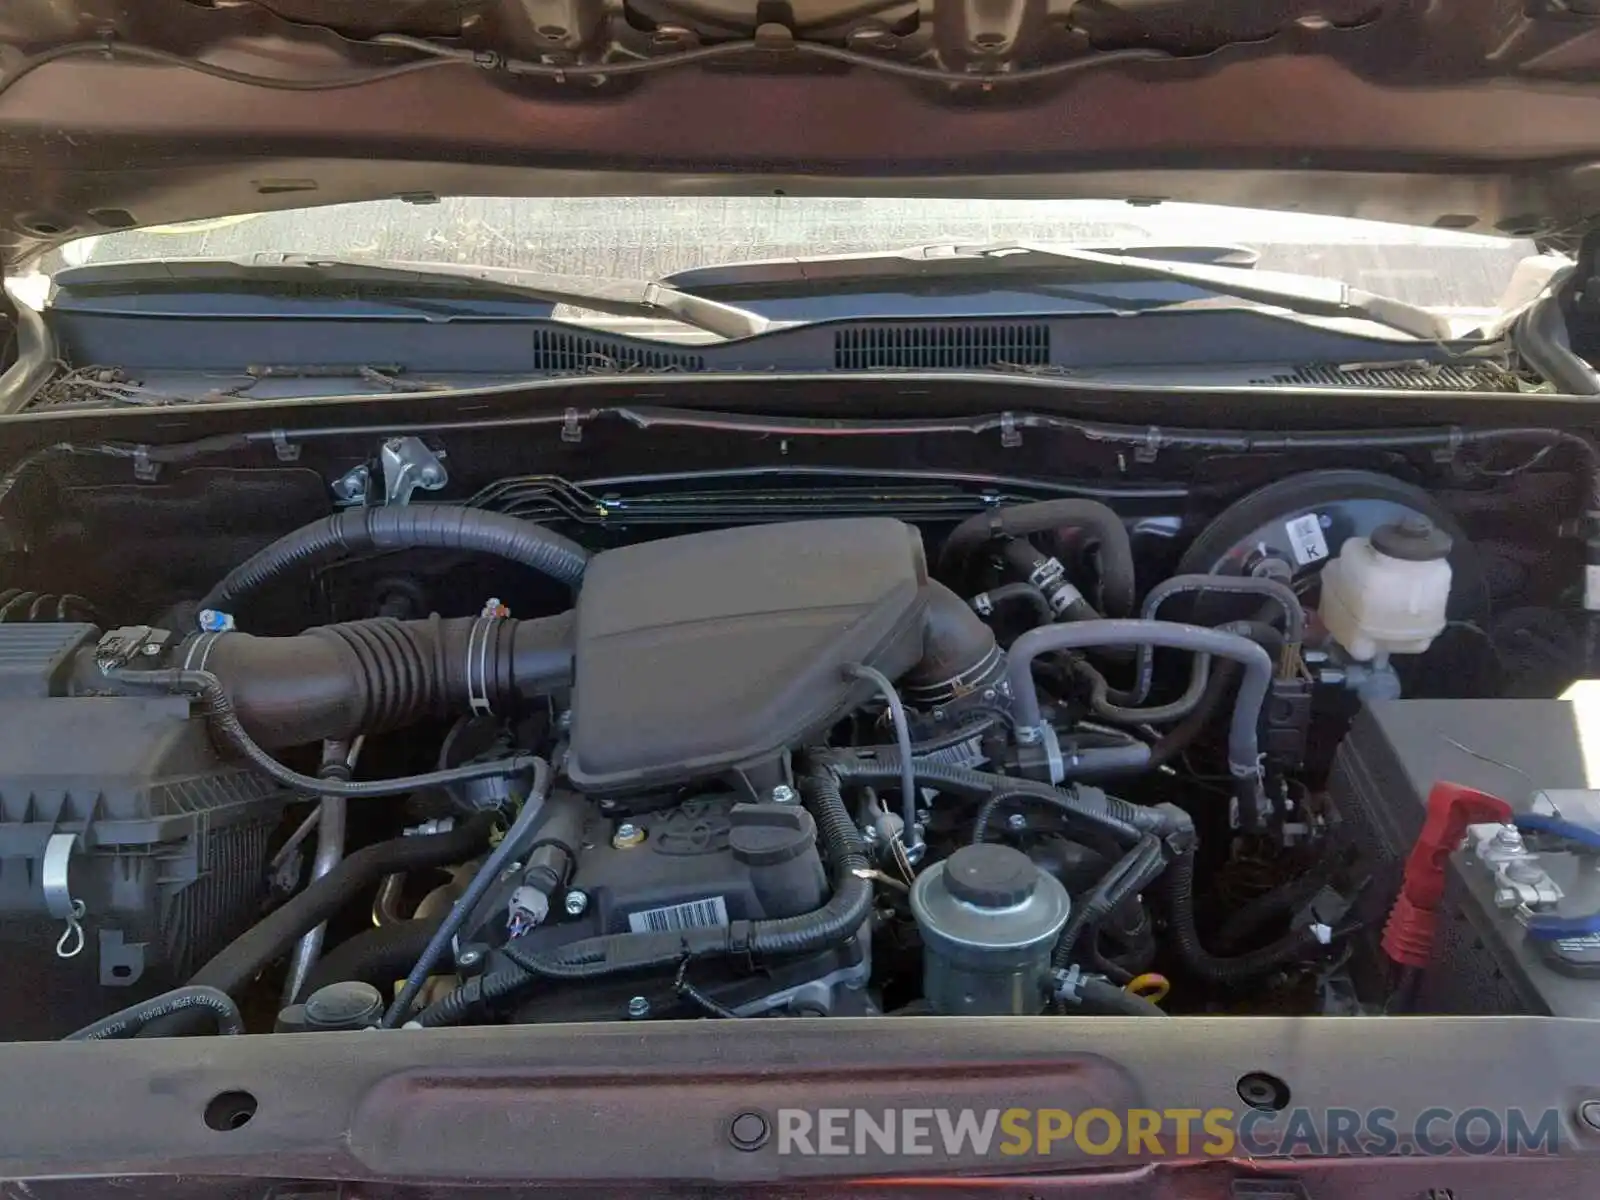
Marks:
<point>1386,594</point>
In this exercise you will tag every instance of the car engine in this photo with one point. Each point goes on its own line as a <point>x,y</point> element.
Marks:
<point>1050,757</point>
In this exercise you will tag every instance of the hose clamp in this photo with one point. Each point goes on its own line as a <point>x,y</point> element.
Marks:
<point>477,666</point>
<point>1052,752</point>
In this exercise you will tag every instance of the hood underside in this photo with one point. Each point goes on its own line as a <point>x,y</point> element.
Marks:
<point>1474,114</point>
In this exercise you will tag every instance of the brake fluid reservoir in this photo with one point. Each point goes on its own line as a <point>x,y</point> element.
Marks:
<point>1386,594</point>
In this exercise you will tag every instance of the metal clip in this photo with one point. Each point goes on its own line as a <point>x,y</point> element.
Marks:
<point>58,899</point>
<point>1146,451</point>
<point>286,450</point>
<point>1451,450</point>
<point>1010,435</point>
<point>572,426</point>
<point>145,468</point>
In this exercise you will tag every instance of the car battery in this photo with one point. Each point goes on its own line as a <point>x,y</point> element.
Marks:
<point>1543,758</point>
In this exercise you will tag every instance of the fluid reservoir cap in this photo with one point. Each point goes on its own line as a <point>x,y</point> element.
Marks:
<point>990,876</point>
<point>1413,538</point>
<point>764,835</point>
<point>348,1005</point>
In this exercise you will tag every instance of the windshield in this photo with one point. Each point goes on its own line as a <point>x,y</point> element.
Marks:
<point>649,237</point>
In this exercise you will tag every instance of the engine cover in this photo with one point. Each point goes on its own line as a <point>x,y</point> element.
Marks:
<point>715,652</point>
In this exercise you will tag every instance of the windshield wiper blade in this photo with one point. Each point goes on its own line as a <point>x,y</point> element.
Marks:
<point>1206,267</point>
<point>618,297</point>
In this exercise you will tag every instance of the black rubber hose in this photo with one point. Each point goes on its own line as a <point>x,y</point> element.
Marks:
<point>1223,676</point>
<point>354,677</point>
<point>1179,891</point>
<point>225,723</point>
<point>245,957</point>
<point>1107,999</point>
<point>1242,924</point>
<point>357,530</point>
<point>137,1018</point>
<point>1124,821</point>
<point>1104,707</point>
<point>1029,561</point>
<point>1101,522</point>
<point>1007,593</point>
<point>1133,872</point>
<point>377,956</point>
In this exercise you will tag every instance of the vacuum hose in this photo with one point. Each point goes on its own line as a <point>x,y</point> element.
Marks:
<point>358,530</point>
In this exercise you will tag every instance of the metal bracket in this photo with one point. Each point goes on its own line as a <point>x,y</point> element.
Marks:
<point>286,450</point>
<point>408,464</point>
<point>1451,450</point>
<point>145,468</point>
<point>1146,451</point>
<point>351,487</point>
<point>121,962</point>
<point>1010,435</point>
<point>572,426</point>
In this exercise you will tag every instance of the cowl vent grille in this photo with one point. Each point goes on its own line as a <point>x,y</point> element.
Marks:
<point>940,347</point>
<point>556,350</point>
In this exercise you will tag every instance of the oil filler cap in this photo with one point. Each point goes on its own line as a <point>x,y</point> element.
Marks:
<point>1413,538</point>
<point>990,876</point>
<point>349,1005</point>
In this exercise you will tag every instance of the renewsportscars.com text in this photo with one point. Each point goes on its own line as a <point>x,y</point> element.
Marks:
<point>1177,1132</point>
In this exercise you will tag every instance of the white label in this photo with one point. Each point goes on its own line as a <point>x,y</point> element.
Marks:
<point>1591,589</point>
<point>697,914</point>
<point>1306,541</point>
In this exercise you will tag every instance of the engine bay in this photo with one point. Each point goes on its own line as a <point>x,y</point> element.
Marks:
<point>379,742</point>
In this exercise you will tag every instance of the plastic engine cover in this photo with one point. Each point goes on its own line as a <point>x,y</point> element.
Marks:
<point>718,651</point>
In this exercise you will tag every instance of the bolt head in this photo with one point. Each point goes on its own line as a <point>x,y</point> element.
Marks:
<point>784,794</point>
<point>638,1008</point>
<point>150,649</point>
<point>627,830</point>
<point>429,475</point>
<point>469,958</point>
<point>1017,823</point>
<point>576,903</point>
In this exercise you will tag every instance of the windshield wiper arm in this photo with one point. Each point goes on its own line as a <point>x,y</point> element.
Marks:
<point>618,297</point>
<point>1203,267</point>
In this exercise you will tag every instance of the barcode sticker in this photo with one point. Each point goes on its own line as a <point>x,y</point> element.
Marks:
<point>1306,542</point>
<point>697,914</point>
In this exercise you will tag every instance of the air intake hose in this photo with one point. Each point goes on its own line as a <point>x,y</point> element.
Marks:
<point>336,681</point>
<point>447,526</point>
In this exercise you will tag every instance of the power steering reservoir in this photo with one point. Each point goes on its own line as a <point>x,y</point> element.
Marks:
<point>989,918</point>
